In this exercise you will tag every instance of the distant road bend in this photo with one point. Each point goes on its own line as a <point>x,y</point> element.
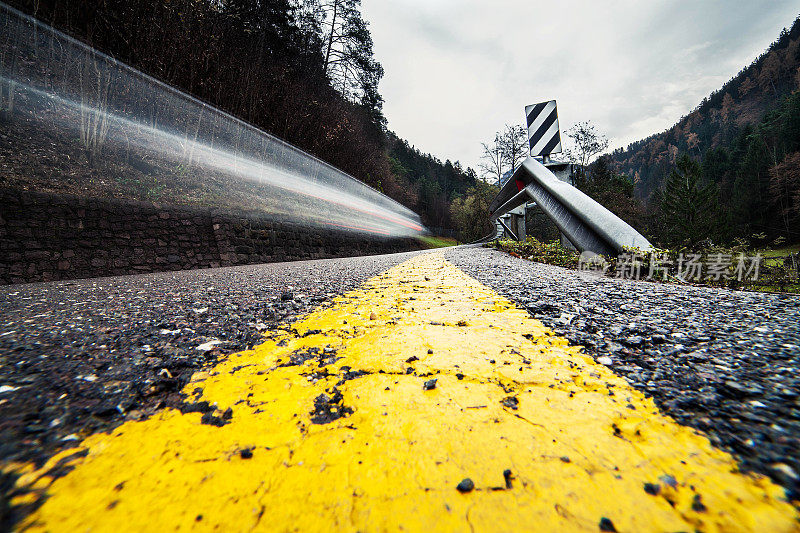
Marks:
<point>427,390</point>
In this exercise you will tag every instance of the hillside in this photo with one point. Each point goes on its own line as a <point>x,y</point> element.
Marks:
<point>719,118</point>
<point>436,184</point>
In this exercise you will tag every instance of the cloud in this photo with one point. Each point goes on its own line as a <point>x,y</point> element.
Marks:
<point>458,70</point>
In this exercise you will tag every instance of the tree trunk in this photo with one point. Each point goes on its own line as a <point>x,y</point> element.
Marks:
<point>330,37</point>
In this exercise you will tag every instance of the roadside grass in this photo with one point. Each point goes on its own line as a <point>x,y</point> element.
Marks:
<point>780,252</point>
<point>777,273</point>
<point>551,253</point>
<point>438,242</point>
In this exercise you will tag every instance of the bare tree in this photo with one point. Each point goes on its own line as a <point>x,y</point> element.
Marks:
<point>508,150</point>
<point>493,160</point>
<point>348,55</point>
<point>784,189</point>
<point>95,87</point>
<point>189,145</point>
<point>514,144</point>
<point>588,142</point>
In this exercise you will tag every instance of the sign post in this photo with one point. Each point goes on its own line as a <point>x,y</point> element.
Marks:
<point>544,139</point>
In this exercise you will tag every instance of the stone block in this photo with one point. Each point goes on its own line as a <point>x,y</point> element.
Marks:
<point>32,255</point>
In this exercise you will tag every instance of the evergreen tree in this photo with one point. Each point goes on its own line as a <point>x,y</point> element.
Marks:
<point>348,55</point>
<point>688,209</point>
<point>614,191</point>
<point>750,200</point>
<point>716,165</point>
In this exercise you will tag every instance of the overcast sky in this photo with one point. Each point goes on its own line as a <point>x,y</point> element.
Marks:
<point>458,70</point>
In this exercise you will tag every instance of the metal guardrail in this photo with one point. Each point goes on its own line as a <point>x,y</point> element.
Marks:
<point>499,229</point>
<point>584,222</point>
<point>161,144</point>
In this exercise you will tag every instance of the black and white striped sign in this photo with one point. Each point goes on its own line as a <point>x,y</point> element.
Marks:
<point>544,137</point>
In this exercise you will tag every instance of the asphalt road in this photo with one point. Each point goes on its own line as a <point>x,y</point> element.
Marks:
<point>721,361</point>
<point>83,356</point>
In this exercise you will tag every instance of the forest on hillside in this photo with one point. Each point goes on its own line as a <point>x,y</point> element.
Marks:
<point>720,117</point>
<point>302,70</point>
<point>730,169</point>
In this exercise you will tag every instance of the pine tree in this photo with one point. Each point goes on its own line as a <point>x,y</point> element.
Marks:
<point>348,54</point>
<point>688,209</point>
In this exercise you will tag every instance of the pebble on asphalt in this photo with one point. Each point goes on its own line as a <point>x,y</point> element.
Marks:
<point>697,504</point>
<point>652,488</point>
<point>465,486</point>
<point>508,477</point>
<point>607,525</point>
<point>511,402</point>
<point>668,480</point>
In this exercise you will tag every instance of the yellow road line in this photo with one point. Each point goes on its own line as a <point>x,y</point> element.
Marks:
<point>328,430</point>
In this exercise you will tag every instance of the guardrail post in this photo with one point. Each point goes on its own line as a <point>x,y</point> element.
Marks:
<point>519,225</point>
<point>508,229</point>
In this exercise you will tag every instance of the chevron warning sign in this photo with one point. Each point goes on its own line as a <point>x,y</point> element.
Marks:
<point>544,137</point>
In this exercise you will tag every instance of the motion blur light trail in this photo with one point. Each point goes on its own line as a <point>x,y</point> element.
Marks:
<point>369,415</point>
<point>146,140</point>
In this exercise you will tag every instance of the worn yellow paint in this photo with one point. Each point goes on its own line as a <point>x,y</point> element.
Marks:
<point>395,461</point>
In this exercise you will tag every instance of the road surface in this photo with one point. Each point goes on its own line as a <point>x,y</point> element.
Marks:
<point>424,390</point>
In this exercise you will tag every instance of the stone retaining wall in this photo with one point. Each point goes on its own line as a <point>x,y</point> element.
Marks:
<point>46,237</point>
